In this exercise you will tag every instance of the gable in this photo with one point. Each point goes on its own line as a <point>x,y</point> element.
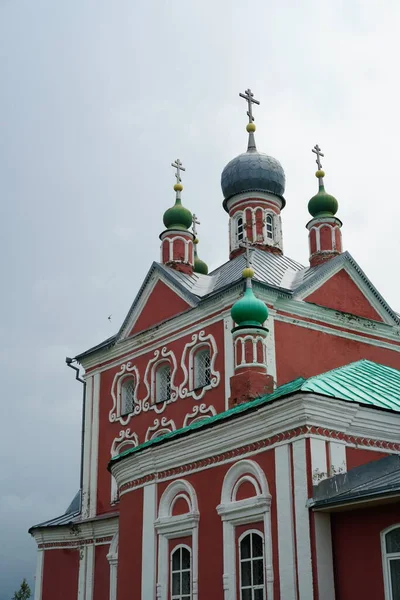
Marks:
<point>340,292</point>
<point>161,304</point>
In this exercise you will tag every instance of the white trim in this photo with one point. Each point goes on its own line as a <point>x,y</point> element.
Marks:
<point>237,512</point>
<point>199,413</point>
<point>82,530</point>
<point>324,556</point>
<point>295,411</point>
<point>303,543</point>
<point>39,575</point>
<point>171,240</point>
<point>319,467</point>
<point>82,573</point>
<point>87,444</point>
<point>386,577</point>
<point>94,448</point>
<point>169,527</point>
<point>112,558</point>
<point>270,346</point>
<point>252,197</point>
<point>126,371</point>
<point>284,506</point>
<point>159,427</point>
<point>228,358</point>
<point>174,549</point>
<point>149,542</point>
<point>199,339</point>
<point>261,535</point>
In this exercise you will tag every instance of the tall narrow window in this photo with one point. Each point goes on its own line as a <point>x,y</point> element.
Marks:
<point>252,567</point>
<point>181,574</point>
<point>392,563</point>
<point>240,229</point>
<point>163,383</point>
<point>127,396</point>
<point>270,227</point>
<point>202,368</point>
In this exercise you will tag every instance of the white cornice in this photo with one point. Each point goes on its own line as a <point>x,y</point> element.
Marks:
<point>76,532</point>
<point>288,413</point>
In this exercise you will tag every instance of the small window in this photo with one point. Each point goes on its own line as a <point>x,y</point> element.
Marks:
<point>163,383</point>
<point>202,368</point>
<point>252,567</point>
<point>392,563</point>
<point>127,396</point>
<point>270,227</point>
<point>181,576</point>
<point>240,229</point>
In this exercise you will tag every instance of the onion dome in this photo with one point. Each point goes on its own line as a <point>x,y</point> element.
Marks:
<point>249,311</point>
<point>322,204</point>
<point>199,265</point>
<point>178,217</point>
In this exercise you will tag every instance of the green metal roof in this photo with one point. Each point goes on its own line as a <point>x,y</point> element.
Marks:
<point>364,382</point>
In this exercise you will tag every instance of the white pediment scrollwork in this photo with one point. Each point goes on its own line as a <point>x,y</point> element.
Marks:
<point>187,387</point>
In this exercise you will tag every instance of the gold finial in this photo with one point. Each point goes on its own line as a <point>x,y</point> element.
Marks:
<point>248,273</point>
<point>320,173</point>
<point>250,127</point>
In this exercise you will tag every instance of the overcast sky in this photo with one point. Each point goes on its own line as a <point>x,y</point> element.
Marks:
<point>97,98</point>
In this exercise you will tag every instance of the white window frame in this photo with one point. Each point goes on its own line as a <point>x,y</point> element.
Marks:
<point>196,367</point>
<point>257,587</point>
<point>169,526</point>
<point>162,366</point>
<point>386,559</point>
<point>242,512</point>
<point>127,380</point>
<point>270,216</point>
<point>171,572</point>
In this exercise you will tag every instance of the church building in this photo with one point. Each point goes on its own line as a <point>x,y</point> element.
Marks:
<point>241,431</point>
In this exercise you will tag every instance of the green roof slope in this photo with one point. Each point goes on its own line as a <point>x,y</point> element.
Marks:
<point>363,381</point>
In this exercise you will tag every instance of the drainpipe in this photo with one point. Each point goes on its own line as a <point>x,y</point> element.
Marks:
<point>69,362</point>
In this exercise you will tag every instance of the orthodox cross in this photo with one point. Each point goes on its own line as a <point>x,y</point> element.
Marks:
<point>249,97</point>
<point>195,222</point>
<point>317,151</point>
<point>179,167</point>
<point>246,244</point>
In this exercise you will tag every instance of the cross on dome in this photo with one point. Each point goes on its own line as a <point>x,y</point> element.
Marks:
<point>249,97</point>
<point>195,222</point>
<point>317,151</point>
<point>179,167</point>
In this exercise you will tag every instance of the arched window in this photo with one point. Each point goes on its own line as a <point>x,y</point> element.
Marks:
<point>270,227</point>
<point>163,383</point>
<point>251,558</point>
<point>202,367</point>
<point>127,396</point>
<point>240,229</point>
<point>181,573</point>
<point>391,563</point>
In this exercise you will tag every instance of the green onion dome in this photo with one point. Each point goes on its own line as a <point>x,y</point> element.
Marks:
<point>249,311</point>
<point>322,204</point>
<point>177,217</point>
<point>199,265</point>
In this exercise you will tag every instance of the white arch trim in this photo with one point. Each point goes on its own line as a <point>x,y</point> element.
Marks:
<point>385,565</point>
<point>238,471</point>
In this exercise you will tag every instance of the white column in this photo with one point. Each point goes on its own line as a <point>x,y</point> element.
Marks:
<point>113,577</point>
<point>284,505</point>
<point>39,575</point>
<point>149,542</point>
<point>228,354</point>
<point>89,575</point>
<point>87,443</point>
<point>319,467</point>
<point>323,547</point>
<point>270,346</point>
<point>94,449</point>
<point>229,575</point>
<point>338,460</point>
<point>304,568</point>
<point>82,573</point>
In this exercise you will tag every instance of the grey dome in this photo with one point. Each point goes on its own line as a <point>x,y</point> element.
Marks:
<point>252,171</point>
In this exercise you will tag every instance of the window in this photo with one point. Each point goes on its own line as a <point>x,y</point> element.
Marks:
<point>240,229</point>
<point>127,396</point>
<point>202,368</point>
<point>252,567</point>
<point>163,383</point>
<point>270,227</point>
<point>392,563</point>
<point>181,585</point>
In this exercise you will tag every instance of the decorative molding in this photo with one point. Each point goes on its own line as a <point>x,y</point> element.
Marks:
<point>272,425</point>
<point>199,412</point>
<point>160,427</point>
<point>112,558</point>
<point>78,533</point>
<point>186,389</point>
<point>94,448</point>
<point>125,438</point>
